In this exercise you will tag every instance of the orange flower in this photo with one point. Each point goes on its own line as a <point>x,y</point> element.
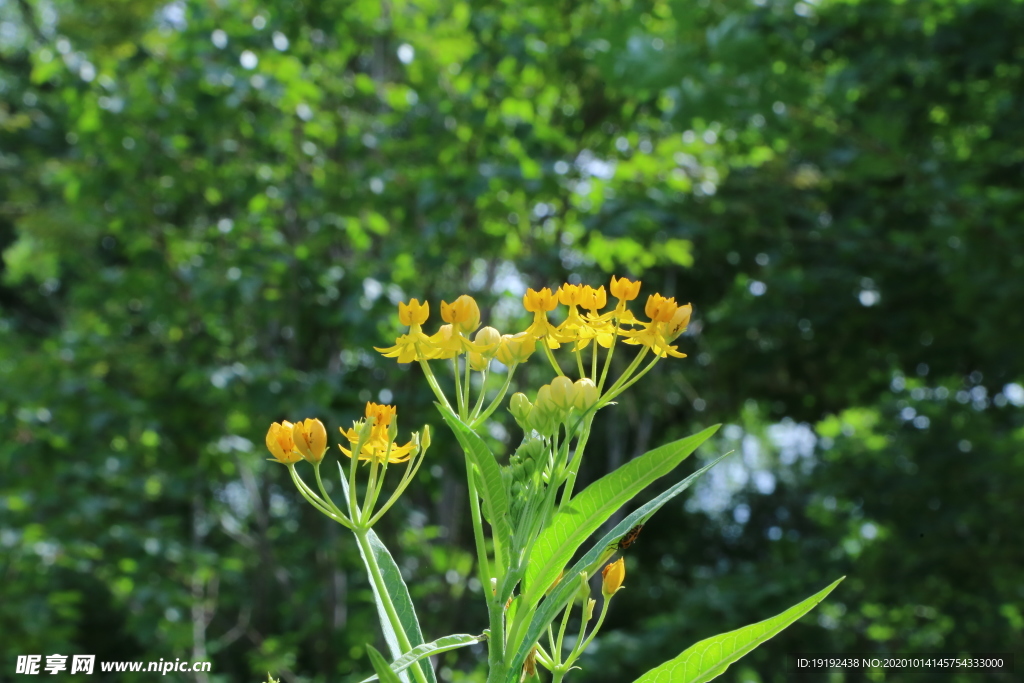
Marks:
<point>612,576</point>
<point>310,438</point>
<point>281,444</point>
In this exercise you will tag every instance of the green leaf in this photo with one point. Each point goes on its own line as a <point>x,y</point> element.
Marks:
<point>380,665</point>
<point>436,647</point>
<point>397,591</point>
<point>594,505</point>
<point>495,498</point>
<point>567,587</point>
<point>711,657</point>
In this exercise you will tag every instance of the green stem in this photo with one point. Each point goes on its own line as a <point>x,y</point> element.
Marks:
<point>432,381</point>
<point>551,357</point>
<point>480,396</point>
<point>618,390</point>
<point>458,387</point>
<point>608,358</point>
<point>478,420</point>
<point>624,376</point>
<point>579,361</point>
<point>574,466</point>
<point>496,642</point>
<point>466,392</point>
<point>373,569</point>
<point>315,501</point>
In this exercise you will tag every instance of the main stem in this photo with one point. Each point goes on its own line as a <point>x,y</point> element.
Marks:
<point>385,599</point>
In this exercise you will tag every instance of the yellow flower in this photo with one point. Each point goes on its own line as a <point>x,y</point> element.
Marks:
<point>539,303</point>
<point>449,342</point>
<point>380,444</point>
<point>659,309</point>
<point>667,320</point>
<point>570,329</point>
<point>597,326</point>
<point>593,299</point>
<point>310,438</point>
<point>415,345</point>
<point>612,576</point>
<point>463,313</point>
<point>624,290</point>
<point>413,313</point>
<point>280,443</point>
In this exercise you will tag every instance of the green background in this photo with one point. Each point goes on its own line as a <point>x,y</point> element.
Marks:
<point>209,209</point>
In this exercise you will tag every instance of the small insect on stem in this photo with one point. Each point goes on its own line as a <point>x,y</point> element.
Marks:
<point>630,537</point>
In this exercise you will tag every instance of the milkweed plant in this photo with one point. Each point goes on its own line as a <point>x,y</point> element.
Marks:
<point>529,521</point>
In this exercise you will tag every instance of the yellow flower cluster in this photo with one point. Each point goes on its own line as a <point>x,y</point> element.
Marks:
<point>667,321</point>
<point>289,443</point>
<point>380,444</point>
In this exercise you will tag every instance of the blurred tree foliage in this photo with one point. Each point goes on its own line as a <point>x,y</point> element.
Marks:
<point>209,209</point>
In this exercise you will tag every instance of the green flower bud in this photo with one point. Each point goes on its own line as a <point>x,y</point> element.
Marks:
<point>586,394</point>
<point>563,392</point>
<point>520,407</point>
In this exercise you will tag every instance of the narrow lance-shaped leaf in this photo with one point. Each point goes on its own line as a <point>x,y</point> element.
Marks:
<point>594,505</point>
<point>399,595</point>
<point>380,665</point>
<point>436,647</point>
<point>567,587</point>
<point>495,498</point>
<point>711,657</point>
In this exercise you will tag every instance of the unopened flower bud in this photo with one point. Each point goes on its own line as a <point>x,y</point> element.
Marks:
<point>612,576</point>
<point>515,348</point>
<point>584,590</point>
<point>586,394</point>
<point>680,320</point>
<point>588,610</point>
<point>519,405</point>
<point>281,443</point>
<point>562,392</point>
<point>310,438</point>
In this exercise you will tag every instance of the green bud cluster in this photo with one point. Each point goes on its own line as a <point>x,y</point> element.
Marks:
<point>557,403</point>
<point>519,475</point>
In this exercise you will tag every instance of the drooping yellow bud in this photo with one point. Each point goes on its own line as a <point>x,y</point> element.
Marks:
<point>552,586</point>
<point>310,438</point>
<point>515,348</point>
<point>281,444</point>
<point>612,576</point>
<point>413,313</point>
<point>586,394</point>
<point>624,290</point>
<point>539,302</point>
<point>588,611</point>
<point>680,320</point>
